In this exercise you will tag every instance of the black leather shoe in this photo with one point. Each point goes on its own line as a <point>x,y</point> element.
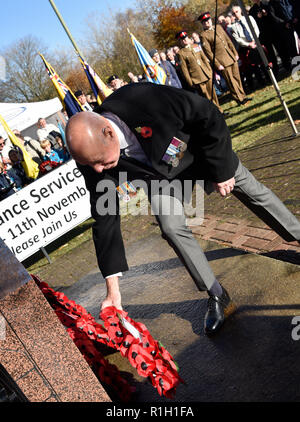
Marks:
<point>218,308</point>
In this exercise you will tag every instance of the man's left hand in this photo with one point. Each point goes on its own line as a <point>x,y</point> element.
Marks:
<point>226,187</point>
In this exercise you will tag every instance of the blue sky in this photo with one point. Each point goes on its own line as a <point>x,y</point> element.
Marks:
<point>23,17</point>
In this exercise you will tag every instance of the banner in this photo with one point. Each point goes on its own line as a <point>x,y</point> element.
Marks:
<point>44,210</point>
<point>24,115</point>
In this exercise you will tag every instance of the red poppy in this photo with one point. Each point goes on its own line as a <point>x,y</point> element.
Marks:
<point>149,358</point>
<point>146,132</point>
<point>84,325</point>
<point>126,343</point>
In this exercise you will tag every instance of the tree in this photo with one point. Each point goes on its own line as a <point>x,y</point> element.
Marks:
<point>169,22</point>
<point>26,78</point>
<point>77,79</point>
<point>108,46</point>
<point>168,17</point>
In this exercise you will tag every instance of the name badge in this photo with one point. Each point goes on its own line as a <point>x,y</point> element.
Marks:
<point>175,152</point>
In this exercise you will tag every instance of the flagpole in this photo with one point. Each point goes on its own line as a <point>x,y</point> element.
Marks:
<point>266,64</point>
<point>65,27</point>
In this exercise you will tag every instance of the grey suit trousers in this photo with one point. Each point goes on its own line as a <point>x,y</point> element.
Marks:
<point>257,197</point>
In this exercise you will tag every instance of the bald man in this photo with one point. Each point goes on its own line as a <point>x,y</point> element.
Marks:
<point>135,131</point>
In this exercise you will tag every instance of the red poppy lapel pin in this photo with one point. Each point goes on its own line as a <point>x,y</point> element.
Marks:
<point>146,132</point>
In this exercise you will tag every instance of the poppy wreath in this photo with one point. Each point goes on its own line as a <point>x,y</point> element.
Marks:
<point>44,164</point>
<point>145,354</point>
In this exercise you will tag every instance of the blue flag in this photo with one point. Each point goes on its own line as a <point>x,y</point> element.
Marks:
<point>100,90</point>
<point>154,73</point>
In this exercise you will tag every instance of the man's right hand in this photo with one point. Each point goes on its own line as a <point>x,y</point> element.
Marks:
<point>113,296</point>
<point>226,187</point>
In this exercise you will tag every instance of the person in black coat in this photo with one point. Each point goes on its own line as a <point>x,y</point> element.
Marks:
<point>296,15</point>
<point>260,11</point>
<point>282,16</point>
<point>9,182</point>
<point>16,158</point>
<point>171,75</point>
<point>154,133</point>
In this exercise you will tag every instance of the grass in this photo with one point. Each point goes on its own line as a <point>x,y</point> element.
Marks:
<point>263,115</point>
<point>260,118</point>
<point>66,243</point>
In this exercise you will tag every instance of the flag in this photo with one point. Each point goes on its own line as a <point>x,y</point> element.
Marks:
<point>70,102</point>
<point>152,70</point>
<point>100,90</point>
<point>31,167</point>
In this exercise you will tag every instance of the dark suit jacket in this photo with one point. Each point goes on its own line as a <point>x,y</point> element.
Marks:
<point>168,112</point>
<point>281,14</point>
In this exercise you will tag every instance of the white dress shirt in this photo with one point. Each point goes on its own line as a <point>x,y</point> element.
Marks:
<point>237,31</point>
<point>87,107</point>
<point>43,132</point>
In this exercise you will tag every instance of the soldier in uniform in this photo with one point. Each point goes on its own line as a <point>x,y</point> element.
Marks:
<point>226,56</point>
<point>196,68</point>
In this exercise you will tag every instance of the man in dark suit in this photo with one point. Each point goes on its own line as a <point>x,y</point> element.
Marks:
<point>282,17</point>
<point>171,75</point>
<point>296,15</point>
<point>260,11</point>
<point>135,130</point>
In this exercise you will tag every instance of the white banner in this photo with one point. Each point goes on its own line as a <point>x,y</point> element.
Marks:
<point>23,115</point>
<point>44,210</point>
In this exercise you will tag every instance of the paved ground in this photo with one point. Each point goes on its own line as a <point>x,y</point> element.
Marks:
<point>274,162</point>
<point>254,358</point>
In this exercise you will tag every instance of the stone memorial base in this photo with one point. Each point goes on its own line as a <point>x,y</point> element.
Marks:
<point>36,352</point>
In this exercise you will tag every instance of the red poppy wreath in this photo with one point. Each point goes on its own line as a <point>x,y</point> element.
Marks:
<point>132,339</point>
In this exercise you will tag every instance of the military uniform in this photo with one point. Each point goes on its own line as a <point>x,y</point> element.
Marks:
<point>226,56</point>
<point>196,69</point>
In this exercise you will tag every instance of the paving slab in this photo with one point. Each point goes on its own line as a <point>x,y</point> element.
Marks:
<point>253,357</point>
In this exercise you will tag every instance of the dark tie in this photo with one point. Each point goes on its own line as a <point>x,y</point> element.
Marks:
<point>246,32</point>
<point>122,153</point>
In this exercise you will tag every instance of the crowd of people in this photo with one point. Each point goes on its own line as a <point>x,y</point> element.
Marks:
<point>48,151</point>
<point>231,61</point>
<point>201,62</point>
